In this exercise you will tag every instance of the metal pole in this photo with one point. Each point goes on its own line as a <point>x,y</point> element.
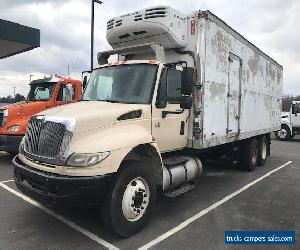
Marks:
<point>92,36</point>
<point>92,32</point>
<point>30,78</point>
<point>14,92</point>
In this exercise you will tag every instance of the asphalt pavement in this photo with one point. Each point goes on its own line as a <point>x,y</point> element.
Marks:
<point>225,198</point>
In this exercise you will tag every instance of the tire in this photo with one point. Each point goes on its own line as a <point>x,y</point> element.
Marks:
<point>250,154</point>
<point>284,133</point>
<point>262,151</point>
<point>129,203</point>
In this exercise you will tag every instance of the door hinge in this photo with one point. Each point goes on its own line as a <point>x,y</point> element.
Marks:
<point>228,130</point>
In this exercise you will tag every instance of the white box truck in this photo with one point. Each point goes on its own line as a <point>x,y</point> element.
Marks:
<point>290,123</point>
<point>187,87</point>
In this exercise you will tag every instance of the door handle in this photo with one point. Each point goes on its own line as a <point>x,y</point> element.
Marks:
<point>165,113</point>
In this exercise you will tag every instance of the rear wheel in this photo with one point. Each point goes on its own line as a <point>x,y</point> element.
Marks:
<point>262,151</point>
<point>250,154</point>
<point>129,203</point>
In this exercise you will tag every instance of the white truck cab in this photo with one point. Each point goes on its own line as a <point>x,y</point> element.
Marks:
<point>189,87</point>
<point>290,122</point>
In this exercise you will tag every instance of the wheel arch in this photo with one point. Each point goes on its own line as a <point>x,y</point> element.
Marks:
<point>149,151</point>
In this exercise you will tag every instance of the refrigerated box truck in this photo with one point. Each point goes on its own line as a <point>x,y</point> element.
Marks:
<point>188,87</point>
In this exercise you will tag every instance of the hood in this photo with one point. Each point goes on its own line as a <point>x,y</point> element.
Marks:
<point>23,109</point>
<point>285,117</point>
<point>96,114</point>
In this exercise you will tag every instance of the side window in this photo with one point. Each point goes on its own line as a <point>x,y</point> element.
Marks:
<point>297,108</point>
<point>64,95</point>
<point>41,93</point>
<point>174,86</point>
<point>161,99</point>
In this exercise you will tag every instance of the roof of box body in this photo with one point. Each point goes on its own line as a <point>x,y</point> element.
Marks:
<point>16,38</point>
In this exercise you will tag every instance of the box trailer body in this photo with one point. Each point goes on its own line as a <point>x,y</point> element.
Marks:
<point>241,87</point>
<point>238,88</point>
<point>187,87</point>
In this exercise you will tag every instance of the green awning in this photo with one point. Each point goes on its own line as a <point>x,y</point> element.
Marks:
<point>16,38</point>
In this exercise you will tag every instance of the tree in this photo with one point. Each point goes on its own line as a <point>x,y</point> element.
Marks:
<point>10,99</point>
<point>19,98</point>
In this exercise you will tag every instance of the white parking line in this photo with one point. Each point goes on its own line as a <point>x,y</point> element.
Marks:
<point>207,210</point>
<point>6,181</point>
<point>60,218</point>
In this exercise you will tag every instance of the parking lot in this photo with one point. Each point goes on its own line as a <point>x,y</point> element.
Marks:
<point>225,198</point>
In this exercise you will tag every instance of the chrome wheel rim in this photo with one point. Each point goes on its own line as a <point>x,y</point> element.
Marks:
<point>135,199</point>
<point>254,156</point>
<point>282,133</point>
<point>264,150</point>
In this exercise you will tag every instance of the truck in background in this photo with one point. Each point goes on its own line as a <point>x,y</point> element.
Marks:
<point>290,123</point>
<point>44,93</point>
<point>189,86</point>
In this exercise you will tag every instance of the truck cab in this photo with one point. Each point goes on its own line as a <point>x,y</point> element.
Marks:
<point>290,122</point>
<point>44,93</point>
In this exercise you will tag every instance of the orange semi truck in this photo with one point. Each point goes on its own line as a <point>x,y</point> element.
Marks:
<point>44,93</point>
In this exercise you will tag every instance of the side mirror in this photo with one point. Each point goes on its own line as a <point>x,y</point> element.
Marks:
<point>187,77</point>
<point>186,102</point>
<point>84,82</point>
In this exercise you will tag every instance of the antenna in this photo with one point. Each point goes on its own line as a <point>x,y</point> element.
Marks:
<point>14,91</point>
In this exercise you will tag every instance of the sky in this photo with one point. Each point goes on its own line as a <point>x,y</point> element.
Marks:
<point>272,25</point>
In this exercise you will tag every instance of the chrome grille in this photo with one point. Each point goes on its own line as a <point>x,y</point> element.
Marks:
<point>44,138</point>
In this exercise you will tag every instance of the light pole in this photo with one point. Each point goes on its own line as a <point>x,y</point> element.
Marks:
<point>14,91</point>
<point>92,32</point>
<point>30,78</point>
<point>73,66</point>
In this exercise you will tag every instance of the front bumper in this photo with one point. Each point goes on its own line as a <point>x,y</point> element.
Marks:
<point>10,143</point>
<point>60,189</point>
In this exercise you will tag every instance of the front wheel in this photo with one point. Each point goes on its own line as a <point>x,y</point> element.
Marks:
<point>129,203</point>
<point>284,133</point>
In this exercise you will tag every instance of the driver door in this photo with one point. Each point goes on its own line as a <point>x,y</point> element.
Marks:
<point>169,122</point>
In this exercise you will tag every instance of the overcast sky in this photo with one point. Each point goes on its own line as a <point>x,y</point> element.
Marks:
<point>272,25</point>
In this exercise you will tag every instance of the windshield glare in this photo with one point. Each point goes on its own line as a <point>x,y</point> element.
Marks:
<point>41,91</point>
<point>123,83</point>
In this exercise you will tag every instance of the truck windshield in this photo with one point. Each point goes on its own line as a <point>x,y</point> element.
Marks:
<point>131,83</point>
<point>41,91</point>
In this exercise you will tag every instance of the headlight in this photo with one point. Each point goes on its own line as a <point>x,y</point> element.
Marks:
<point>84,160</point>
<point>14,128</point>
